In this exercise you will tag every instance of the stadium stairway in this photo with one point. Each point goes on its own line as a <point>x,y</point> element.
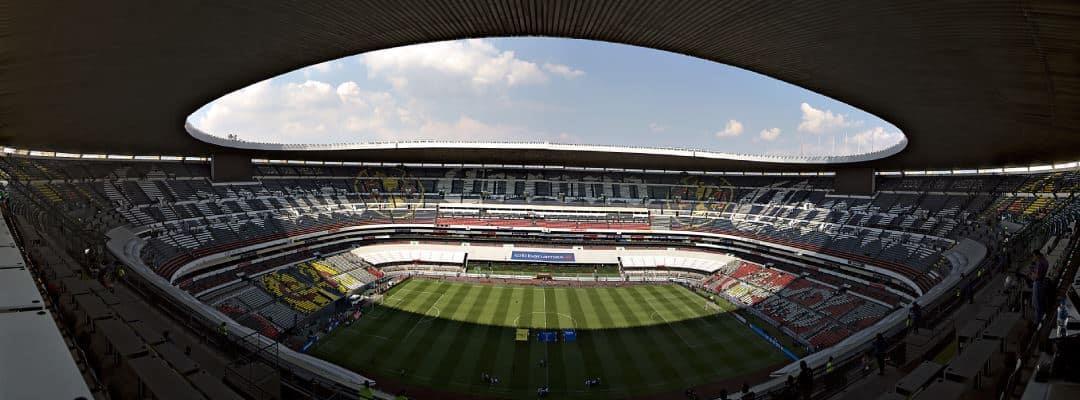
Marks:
<point>936,341</point>
<point>200,373</point>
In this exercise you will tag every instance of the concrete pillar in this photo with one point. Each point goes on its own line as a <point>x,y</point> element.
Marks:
<point>854,181</point>
<point>231,167</point>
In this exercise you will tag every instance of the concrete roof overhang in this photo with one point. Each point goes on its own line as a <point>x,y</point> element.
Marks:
<point>972,83</point>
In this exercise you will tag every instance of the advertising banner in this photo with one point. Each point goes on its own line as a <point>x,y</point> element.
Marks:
<point>537,256</point>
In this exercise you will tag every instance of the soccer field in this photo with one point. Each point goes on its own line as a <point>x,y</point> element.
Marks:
<point>639,340</point>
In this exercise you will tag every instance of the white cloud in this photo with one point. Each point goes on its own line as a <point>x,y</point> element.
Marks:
<point>462,77</point>
<point>869,140</point>
<point>327,66</point>
<point>874,139</point>
<point>480,90</point>
<point>564,137</point>
<point>563,70</point>
<point>465,128</point>
<point>769,134</point>
<point>731,129</point>
<point>317,112</point>
<point>322,68</point>
<point>817,121</point>
<point>308,94</point>
<point>311,111</point>
<point>475,62</point>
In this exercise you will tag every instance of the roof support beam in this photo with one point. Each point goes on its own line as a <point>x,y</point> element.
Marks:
<point>854,181</point>
<point>231,167</point>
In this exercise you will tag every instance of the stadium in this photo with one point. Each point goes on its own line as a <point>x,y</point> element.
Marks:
<point>147,256</point>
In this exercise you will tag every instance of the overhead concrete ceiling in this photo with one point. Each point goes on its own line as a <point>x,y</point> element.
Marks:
<point>972,83</point>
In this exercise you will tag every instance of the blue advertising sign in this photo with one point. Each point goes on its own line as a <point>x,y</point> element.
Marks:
<point>537,256</point>
<point>569,335</point>
<point>773,341</point>
<point>547,337</point>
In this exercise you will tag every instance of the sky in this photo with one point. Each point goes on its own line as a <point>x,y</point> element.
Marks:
<point>543,89</point>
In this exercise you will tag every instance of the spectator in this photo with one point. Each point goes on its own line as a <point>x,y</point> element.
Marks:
<point>969,291</point>
<point>746,394</point>
<point>879,353</point>
<point>806,381</point>
<point>830,376</point>
<point>789,391</point>
<point>1039,266</point>
<point>916,316</point>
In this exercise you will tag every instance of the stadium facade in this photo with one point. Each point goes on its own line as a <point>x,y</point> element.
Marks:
<point>273,256</point>
<point>231,243</point>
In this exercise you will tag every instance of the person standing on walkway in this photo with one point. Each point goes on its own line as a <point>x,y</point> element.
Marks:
<point>915,317</point>
<point>805,381</point>
<point>1039,266</point>
<point>830,375</point>
<point>880,348</point>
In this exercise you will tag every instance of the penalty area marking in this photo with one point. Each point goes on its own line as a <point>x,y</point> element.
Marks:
<point>426,318</point>
<point>394,299</point>
<point>374,336</point>
<point>572,320</point>
<point>673,328</point>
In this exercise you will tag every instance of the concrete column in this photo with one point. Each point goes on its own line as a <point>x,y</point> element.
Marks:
<point>854,181</point>
<point>231,167</point>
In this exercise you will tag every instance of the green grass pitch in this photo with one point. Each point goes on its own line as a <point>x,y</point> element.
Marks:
<point>640,340</point>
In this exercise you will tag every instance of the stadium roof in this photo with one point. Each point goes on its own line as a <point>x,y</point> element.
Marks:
<point>972,83</point>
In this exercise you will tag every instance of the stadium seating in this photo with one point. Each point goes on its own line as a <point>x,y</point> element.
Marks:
<point>304,298</point>
<point>180,216</point>
<point>819,314</point>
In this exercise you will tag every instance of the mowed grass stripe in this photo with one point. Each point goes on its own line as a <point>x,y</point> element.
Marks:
<point>521,366</point>
<point>430,337</point>
<point>738,343</point>
<point>615,314</point>
<point>517,304</point>
<point>675,310</point>
<point>397,357</point>
<point>491,313</point>
<point>589,312</point>
<point>624,365</point>
<point>450,354</point>
<point>413,294</point>
<point>691,364</point>
<point>729,350</point>
<point>466,366</point>
<point>554,372</point>
<point>585,351</point>
<point>459,335</point>
<point>654,348</point>
<point>388,326</point>
<point>596,342</point>
<point>394,325</point>
<point>551,310</point>
<point>538,312</point>
<point>468,310</point>
<point>504,353</point>
<point>481,351</point>
<point>579,359</point>
<point>525,312</point>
